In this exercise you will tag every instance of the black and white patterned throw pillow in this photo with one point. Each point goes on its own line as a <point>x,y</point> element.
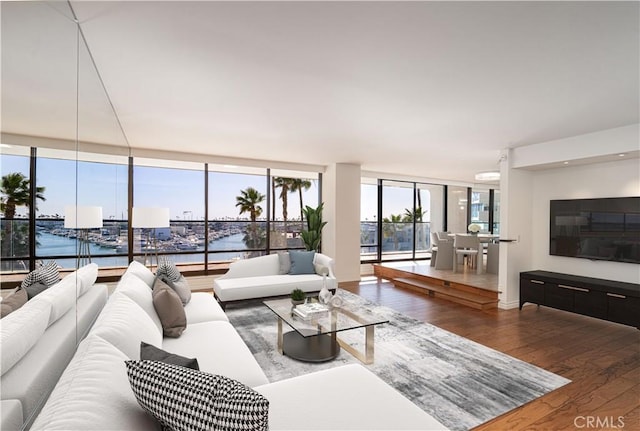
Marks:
<point>48,274</point>
<point>167,270</point>
<point>185,399</point>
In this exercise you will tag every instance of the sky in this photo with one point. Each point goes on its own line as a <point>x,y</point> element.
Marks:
<point>181,190</point>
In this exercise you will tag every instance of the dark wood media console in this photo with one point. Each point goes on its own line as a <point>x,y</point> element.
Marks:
<point>615,301</point>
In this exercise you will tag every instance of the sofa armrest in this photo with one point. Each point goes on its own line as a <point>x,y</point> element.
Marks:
<point>254,267</point>
<point>323,259</point>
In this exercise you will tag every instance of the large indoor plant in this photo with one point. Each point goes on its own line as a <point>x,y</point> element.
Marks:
<point>313,234</point>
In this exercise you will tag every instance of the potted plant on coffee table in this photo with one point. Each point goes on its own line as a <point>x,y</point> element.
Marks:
<point>297,296</point>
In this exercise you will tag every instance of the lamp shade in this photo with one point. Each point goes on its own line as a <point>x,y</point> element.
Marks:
<point>149,217</point>
<point>79,217</point>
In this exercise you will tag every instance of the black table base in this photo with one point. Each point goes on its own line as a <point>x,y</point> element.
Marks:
<point>317,348</point>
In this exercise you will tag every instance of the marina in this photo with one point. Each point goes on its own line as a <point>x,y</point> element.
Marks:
<point>104,243</point>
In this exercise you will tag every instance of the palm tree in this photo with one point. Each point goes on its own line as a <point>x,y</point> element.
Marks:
<point>284,184</point>
<point>417,214</point>
<point>300,185</point>
<point>248,202</point>
<point>15,189</point>
<point>390,228</point>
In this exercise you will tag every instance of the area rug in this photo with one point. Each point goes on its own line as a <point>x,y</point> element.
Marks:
<point>457,381</point>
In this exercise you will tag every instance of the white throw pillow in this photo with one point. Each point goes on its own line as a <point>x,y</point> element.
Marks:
<point>61,296</point>
<point>141,294</point>
<point>125,324</point>
<point>88,275</point>
<point>141,271</point>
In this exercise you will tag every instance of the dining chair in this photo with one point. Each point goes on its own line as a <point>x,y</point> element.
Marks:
<point>469,246</point>
<point>434,248</point>
<point>444,258</point>
<point>443,236</point>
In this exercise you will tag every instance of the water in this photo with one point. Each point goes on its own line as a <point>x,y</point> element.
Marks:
<point>54,245</point>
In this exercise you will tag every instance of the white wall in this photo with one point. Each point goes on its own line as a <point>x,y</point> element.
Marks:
<point>613,179</point>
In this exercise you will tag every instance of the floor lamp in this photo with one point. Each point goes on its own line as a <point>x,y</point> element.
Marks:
<point>150,218</point>
<point>83,218</point>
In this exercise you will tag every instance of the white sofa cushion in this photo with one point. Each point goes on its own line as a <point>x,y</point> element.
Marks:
<point>21,330</point>
<point>136,289</point>
<point>94,394</point>
<point>11,411</point>
<point>348,398</point>
<point>234,289</point>
<point>219,350</point>
<point>142,272</point>
<point>88,275</point>
<point>125,324</point>
<point>62,296</point>
<point>203,307</point>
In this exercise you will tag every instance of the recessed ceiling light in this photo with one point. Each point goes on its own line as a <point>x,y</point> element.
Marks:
<point>565,163</point>
<point>622,154</point>
<point>488,176</point>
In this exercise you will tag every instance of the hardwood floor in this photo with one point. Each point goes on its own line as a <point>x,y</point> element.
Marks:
<point>601,358</point>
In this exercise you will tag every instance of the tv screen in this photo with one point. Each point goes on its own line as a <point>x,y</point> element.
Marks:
<point>598,229</point>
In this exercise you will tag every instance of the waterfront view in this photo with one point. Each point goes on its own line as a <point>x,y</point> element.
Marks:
<point>217,213</point>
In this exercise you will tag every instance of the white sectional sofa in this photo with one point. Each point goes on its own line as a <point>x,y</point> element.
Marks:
<point>94,392</point>
<point>262,277</point>
<point>40,338</point>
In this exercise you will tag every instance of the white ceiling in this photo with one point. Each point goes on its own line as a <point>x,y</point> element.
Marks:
<point>430,89</point>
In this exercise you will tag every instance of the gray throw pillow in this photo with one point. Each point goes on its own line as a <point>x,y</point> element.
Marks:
<point>181,287</point>
<point>170,310</point>
<point>35,289</point>
<point>302,262</point>
<point>152,353</point>
<point>12,302</point>
<point>285,262</point>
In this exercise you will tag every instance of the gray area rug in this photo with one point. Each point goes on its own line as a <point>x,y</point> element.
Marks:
<point>461,383</point>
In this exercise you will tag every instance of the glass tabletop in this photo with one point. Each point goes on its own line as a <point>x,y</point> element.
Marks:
<point>335,319</point>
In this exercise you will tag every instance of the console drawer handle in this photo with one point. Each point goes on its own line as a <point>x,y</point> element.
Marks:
<point>615,295</point>
<point>537,281</point>
<point>579,289</point>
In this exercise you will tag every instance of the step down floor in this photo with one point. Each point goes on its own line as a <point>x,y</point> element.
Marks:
<point>469,299</point>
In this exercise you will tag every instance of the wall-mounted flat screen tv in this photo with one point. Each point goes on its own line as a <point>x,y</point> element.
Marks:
<point>597,229</point>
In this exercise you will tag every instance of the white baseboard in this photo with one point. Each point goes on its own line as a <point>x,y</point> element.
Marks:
<point>508,305</point>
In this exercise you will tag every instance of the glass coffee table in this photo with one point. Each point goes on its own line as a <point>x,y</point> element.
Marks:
<point>316,339</point>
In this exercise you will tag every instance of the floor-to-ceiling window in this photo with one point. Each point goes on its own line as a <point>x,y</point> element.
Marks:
<point>250,211</point>
<point>238,210</point>
<point>14,227</point>
<point>290,191</point>
<point>397,217</point>
<point>480,209</point>
<point>369,219</point>
<point>71,179</point>
<point>178,186</point>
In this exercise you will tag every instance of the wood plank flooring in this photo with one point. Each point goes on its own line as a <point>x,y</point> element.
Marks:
<point>601,358</point>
